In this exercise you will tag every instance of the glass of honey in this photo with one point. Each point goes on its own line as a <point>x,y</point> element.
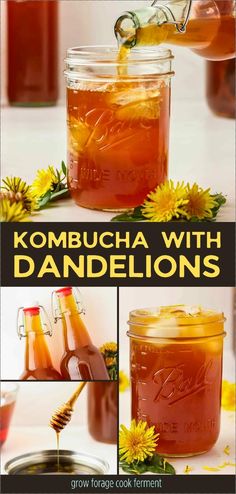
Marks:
<point>7,405</point>
<point>176,375</point>
<point>118,115</point>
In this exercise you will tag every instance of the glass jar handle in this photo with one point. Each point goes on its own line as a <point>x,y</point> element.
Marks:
<point>21,327</point>
<point>181,28</point>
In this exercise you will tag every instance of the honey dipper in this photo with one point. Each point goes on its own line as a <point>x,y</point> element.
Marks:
<point>62,415</point>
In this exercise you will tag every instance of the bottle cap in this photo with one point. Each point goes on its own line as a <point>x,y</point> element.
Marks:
<point>34,310</point>
<point>63,292</point>
<point>31,311</point>
<point>67,290</point>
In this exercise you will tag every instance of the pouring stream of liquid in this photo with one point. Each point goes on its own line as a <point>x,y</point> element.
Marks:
<point>62,417</point>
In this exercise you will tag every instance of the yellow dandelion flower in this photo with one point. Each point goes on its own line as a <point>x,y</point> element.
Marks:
<point>167,202</point>
<point>200,203</point>
<point>16,190</point>
<point>228,396</point>
<point>12,212</point>
<point>137,443</point>
<point>227,450</point>
<point>110,361</point>
<point>123,381</point>
<point>110,347</point>
<point>188,469</point>
<point>109,353</point>
<point>45,180</point>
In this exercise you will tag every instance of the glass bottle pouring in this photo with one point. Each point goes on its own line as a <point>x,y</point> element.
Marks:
<point>38,362</point>
<point>205,26</point>
<point>81,359</point>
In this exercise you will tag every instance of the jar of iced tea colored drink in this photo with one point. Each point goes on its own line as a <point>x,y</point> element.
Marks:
<point>32,60</point>
<point>118,125</point>
<point>102,411</point>
<point>221,87</point>
<point>176,374</point>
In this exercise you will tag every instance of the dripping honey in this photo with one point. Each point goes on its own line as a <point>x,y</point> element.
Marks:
<point>58,451</point>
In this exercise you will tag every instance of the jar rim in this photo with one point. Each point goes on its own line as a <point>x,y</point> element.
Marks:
<point>177,321</point>
<point>16,464</point>
<point>107,55</point>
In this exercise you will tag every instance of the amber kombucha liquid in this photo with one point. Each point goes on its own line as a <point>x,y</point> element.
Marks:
<point>81,359</point>
<point>32,52</point>
<point>6,410</point>
<point>102,411</point>
<point>177,388</point>
<point>46,374</point>
<point>210,32</point>
<point>118,138</point>
<point>38,362</point>
<point>212,39</point>
<point>221,87</point>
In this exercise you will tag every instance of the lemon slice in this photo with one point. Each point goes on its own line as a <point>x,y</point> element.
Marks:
<point>136,105</point>
<point>79,134</point>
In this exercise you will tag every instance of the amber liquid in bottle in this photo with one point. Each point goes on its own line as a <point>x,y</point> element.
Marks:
<point>221,88</point>
<point>32,52</point>
<point>81,359</point>
<point>38,363</point>
<point>102,411</point>
<point>210,30</point>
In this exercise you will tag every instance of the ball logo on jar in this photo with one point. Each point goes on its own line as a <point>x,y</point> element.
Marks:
<point>107,130</point>
<point>174,386</point>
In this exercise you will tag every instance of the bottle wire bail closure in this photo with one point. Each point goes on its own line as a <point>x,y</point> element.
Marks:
<point>20,324</point>
<point>55,308</point>
<point>170,18</point>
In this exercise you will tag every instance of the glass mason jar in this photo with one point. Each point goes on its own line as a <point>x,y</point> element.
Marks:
<point>118,125</point>
<point>221,88</point>
<point>176,375</point>
<point>102,411</point>
<point>32,62</point>
<point>8,395</point>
